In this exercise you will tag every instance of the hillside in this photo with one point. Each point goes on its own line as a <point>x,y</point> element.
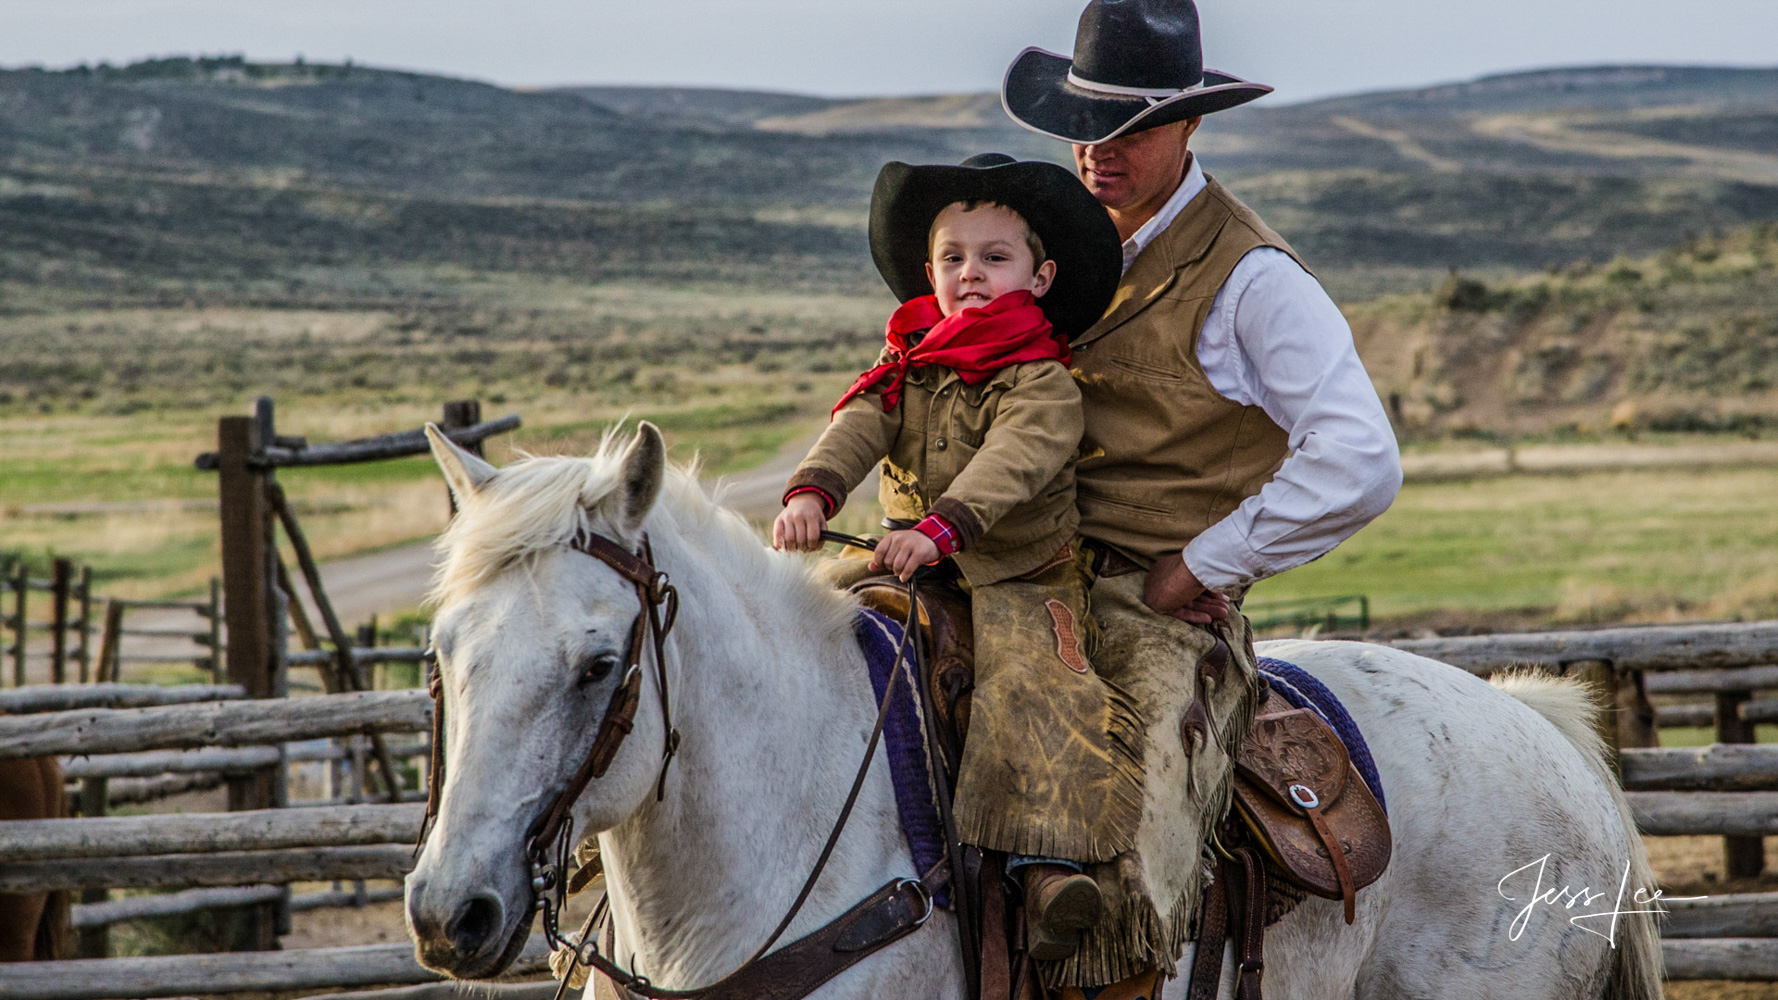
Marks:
<point>418,201</point>
<point>228,173</point>
<point>1686,340</point>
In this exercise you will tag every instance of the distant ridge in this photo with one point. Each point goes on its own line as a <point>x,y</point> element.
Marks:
<point>316,164</point>
<point>1605,87</point>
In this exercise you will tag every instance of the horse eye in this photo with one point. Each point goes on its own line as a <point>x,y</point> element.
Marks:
<point>596,668</point>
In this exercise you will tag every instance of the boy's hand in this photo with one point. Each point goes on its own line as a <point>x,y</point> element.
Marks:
<point>800,524</point>
<point>902,552</point>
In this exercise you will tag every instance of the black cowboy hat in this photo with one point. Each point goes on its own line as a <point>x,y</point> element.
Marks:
<point>1076,232</point>
<point>1137,64</point>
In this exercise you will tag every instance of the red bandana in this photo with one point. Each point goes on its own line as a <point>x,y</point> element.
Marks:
<point>975,343</point>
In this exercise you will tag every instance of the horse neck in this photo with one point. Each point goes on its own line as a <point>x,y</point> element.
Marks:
<point>773,711</point>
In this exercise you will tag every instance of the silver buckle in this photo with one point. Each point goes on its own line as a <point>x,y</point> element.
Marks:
<point>1304,796</point>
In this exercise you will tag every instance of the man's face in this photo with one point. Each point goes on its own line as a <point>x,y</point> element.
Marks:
<point>979,255</point>
<point>1136,169</point>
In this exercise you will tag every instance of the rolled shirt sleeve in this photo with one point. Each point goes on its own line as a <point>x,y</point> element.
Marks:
<point>1274,339</point>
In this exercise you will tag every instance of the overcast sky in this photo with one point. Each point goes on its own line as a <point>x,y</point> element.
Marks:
<point>1306,48</point>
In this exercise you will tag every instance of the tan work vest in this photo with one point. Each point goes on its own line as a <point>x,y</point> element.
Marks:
<point>1165,455</point>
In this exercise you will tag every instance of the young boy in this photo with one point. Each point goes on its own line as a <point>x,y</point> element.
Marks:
<point>976,420</point>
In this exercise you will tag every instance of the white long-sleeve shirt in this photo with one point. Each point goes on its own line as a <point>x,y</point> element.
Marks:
<point>1275,340</point>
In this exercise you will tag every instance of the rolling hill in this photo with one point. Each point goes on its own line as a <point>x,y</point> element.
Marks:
<point>110,169</point>
<point>183,183</point>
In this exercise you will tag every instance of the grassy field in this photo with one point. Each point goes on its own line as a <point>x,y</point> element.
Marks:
<point>98,463</point>
<point>1642,544</point>
<point>98,459</point>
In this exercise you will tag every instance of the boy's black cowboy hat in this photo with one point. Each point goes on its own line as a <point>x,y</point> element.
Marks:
<point>1137,64</point>
<point>1076,232</point>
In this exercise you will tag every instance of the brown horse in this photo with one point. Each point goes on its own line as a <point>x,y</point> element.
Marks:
<point>33,926</point>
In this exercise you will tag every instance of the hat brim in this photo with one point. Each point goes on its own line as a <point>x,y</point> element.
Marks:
<point>1076,231</point>
<point>1038,95</point>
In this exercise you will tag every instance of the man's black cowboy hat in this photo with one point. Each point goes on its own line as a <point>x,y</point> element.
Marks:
<point>1076,232</point>
<point>1137,64</point>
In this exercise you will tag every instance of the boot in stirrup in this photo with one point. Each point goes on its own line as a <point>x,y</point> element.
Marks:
<point>1059,904</point>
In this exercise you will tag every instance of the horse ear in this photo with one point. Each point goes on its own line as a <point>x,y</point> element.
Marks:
<point>462,468</point>
<point>639,484</point>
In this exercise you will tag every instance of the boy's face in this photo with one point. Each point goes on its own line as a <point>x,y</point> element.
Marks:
<point>981,254</point>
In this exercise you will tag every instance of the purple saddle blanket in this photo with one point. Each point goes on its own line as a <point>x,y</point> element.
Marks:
<point>1296,686</point>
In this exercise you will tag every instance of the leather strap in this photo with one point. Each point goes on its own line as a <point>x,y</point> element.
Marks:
<point>1253,931</point>
<point>804,965</point>
<point>996,972</point>
<point>1213,929</point>
<point>1348,893</point>
<point>1236,900</point>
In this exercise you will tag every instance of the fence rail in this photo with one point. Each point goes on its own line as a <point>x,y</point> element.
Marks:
<point>187,871</point>
<point>169,904</point>
<point>185,833</point>
<point>209,724</point>
<point>1643,647</point>
<point>232,972</point>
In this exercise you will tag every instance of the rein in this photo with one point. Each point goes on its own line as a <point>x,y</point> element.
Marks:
<point>870,925</point>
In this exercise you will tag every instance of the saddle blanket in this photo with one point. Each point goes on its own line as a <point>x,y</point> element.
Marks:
<point>1294,685</point>
<point>904,737</point>
<point>913,772</point>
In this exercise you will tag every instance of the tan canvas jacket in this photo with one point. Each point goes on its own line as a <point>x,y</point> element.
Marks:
<point>994,459</point>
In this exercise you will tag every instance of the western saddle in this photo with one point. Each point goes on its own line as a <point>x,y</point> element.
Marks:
<point>1303,820</point>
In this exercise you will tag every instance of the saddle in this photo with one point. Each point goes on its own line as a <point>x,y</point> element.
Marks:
<point>1298,797</point>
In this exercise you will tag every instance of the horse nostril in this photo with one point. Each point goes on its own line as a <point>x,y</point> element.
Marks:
<point>475,922</point>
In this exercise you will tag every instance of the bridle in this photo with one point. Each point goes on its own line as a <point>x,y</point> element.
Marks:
<point>549,839</point>
<point>660,609</point>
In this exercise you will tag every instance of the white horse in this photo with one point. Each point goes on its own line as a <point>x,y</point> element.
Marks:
<point>1512,844</point>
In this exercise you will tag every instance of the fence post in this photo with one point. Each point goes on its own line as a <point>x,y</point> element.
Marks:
<point>217,668</point>
<point>1743,857</point>
<point>21,589</point>
<point>95,942</point>
<point>110,664</point>
<point>1600,677</point>
<point>60,578</point>
<point>246,574</point>
<point>84,653</point>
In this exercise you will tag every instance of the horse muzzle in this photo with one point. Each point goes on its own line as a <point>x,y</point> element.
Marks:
<point>476,933</point>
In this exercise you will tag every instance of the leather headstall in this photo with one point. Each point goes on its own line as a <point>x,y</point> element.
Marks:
<point>660,609</point>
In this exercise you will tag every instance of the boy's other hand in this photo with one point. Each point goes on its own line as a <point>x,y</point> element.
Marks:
<point>902,552</point>
<point>800,524</point>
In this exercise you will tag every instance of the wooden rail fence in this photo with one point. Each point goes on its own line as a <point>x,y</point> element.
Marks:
<point>69,625</point>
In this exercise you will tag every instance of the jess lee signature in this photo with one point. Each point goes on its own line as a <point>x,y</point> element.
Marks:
<point>1642,900</point>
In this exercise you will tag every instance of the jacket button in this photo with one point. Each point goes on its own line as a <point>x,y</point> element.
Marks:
<point>946,391</point>
<point>940,444</point>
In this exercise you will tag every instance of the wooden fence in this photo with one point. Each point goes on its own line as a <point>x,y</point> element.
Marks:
<point>123,743</point>
<point>207,638</point>
<point>68,625</point>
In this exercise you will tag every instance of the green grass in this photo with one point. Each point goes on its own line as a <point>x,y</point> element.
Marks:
<point>1597,547</point>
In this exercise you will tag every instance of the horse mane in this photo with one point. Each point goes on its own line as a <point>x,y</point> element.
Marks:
<point>539,503</point>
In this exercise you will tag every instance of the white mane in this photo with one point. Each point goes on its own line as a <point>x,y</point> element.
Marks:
<point>539,503</point>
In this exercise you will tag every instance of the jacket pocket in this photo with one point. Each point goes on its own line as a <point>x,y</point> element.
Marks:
<point>1089,496</point>
<point>1146,370</point>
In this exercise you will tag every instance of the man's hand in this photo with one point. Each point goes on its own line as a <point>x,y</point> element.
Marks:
<point>800,524</point>
<point>902,552</point>
<point>1172,589</point>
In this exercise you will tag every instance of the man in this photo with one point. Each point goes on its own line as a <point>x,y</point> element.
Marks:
<point>1231,434</point>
